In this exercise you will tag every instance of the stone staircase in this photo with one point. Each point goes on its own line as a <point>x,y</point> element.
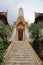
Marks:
<point>21,54</point>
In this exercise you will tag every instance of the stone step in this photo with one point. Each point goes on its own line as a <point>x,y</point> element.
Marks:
<point>20,63</point>
<point>20,59</point>
<point>20,54</point>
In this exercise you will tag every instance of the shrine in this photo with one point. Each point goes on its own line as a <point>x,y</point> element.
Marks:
<point>20,31</point>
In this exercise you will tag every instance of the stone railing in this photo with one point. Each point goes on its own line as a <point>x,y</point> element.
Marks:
<point>35,54</point>
<point>9,48</point>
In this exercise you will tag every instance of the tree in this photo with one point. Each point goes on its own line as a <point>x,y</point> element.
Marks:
<point>35,31</point>
<point>5,31</point>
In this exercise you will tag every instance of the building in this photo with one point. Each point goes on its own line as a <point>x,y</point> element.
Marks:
<point>20,31</point>
<point>38,17</point>
<point>3,17</point>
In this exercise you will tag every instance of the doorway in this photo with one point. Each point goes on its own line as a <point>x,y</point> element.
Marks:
<point>20,35</point>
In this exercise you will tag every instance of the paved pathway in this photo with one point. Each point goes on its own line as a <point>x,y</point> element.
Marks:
<point>21,54</point>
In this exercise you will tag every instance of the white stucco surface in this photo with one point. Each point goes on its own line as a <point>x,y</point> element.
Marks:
<point>27,37</point>
<point>13,35</point>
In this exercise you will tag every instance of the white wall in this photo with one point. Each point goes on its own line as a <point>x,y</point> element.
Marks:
<point>27,37</point>
<point>13,35</point>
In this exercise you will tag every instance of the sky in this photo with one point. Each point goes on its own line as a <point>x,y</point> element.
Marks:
<point>29,7</point>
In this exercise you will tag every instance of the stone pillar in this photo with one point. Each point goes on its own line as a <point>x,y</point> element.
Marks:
<point>27,34</point>
<point>13,35</point>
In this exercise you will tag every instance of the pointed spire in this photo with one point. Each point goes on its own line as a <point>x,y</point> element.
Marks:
<point>21,13</point>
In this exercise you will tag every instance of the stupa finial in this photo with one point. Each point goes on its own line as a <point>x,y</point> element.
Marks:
<point>21,13</point>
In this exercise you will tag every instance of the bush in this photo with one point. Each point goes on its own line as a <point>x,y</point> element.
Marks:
<point>5,31</point>
<point>1,58</point>
<point>3,47</point>
<point>36,45</point>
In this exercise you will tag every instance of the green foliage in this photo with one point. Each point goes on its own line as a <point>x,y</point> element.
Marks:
<point>1,58</point>
<point>35,31</point>
<point>4,32</point>
<point>3,47</point>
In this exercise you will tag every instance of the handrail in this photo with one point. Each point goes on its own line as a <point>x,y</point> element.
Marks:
<point>9,48</point>
<point>35,54</point>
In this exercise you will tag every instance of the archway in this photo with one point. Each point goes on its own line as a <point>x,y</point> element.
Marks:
<point>20,35</point>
